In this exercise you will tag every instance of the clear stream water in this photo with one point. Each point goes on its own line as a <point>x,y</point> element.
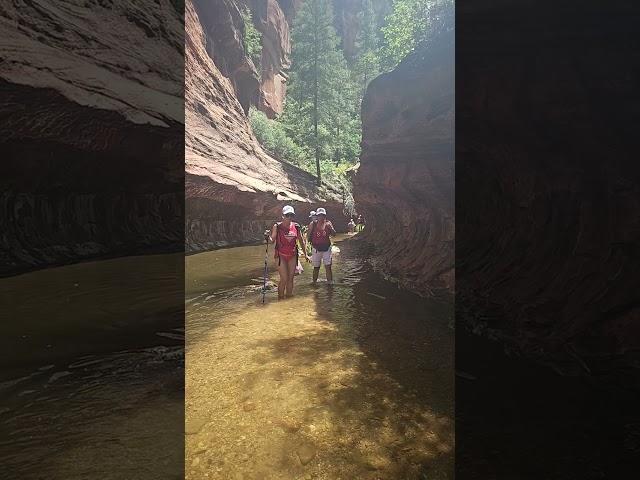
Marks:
<point>347,381</point>
<point>350,381</point>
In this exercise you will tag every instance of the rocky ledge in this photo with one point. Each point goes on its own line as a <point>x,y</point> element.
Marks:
<point>92,131</point>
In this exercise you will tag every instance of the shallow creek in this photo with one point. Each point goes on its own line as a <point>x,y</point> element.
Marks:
<point>348,381</point>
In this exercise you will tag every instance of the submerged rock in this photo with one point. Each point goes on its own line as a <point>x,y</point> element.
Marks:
<point>305,453</point>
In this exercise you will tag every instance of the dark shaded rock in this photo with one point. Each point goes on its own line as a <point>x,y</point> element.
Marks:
<point>405,182</point>
<point>547,180</point>
<point>92,131</point>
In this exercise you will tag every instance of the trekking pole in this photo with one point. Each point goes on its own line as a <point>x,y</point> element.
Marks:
<point>264,284</point>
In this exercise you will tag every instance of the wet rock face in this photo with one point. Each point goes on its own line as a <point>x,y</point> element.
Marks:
<point>234,190</point>
<point>546,184</point>
<point>405,183</point>
<point>91,138</point>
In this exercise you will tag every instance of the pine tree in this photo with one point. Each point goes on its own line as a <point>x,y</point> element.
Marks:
<point>367,64</point>
<point>413,22</point>
<point>319,73</point>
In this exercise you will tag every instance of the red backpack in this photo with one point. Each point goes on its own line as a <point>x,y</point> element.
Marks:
<point>321,247</point>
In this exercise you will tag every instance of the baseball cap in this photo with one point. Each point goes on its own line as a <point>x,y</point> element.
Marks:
<point>312,213</point>
<point>321,211</point>
<point>287,209</point>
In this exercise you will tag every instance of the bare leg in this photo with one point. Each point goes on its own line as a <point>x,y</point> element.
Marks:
<point>282,284</point>
<point>316,272</point>
<point>329,273</point>
<point>291,270</point>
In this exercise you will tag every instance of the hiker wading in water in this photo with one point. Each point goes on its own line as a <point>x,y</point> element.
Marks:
<point>305,229</point>
<point>286,235</point>
<point>320,232</point>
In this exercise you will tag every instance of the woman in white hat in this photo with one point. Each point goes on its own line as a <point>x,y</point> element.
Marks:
<point>320,232</point>
<point>286,235</point>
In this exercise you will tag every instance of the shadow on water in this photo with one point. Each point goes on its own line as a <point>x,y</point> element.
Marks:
<point>92,364</point>
<point>388,397</point>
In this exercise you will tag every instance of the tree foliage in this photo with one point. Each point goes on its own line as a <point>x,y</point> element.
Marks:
<point>410,23</point>
<point>367,50</point>
<point>251,38</point>
<point>274,138</point>
<point>321,111</point>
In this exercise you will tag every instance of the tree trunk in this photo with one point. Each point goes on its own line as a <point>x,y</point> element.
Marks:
<point>315,93</point>
<point>338,152</point>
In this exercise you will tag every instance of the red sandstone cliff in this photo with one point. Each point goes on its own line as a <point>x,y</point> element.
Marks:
<point>274,24</point>
<point>92,130</point>
<point>405,182</point>
<point>233,188</point>
<point>347,23</point>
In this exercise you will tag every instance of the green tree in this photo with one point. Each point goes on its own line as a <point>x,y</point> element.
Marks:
<point>274,138</point>
<point>251,39</point>
<point>320,83</point>
<point>411,22</point>
<point>367,56</point>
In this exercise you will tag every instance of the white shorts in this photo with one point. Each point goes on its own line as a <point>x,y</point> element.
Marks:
<point>320,257</point>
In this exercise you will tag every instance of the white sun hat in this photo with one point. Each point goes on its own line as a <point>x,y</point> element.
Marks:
<point>321,211</point>
<point>287,209</point>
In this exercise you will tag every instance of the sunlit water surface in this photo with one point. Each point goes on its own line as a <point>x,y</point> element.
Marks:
<point>347,381</point>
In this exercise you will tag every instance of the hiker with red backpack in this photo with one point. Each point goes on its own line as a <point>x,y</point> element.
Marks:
<point>319,234</point>
<point>286,235</point>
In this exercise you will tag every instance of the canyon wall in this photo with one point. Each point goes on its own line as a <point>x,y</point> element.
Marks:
<point>234,190</point>
<point>92,131</point>
<point>273,19</point>
<point>546,183</point>
<point>405,183</point>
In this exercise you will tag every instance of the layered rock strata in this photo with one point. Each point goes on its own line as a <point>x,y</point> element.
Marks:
<point>548,191</point>
<point>92,131</point>
<point>404,185</point>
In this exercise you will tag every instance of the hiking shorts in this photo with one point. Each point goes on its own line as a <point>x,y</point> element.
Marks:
<point>320,257</point>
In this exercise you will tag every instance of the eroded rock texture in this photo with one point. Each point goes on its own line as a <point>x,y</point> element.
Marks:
<point>547,180</point>
<point>234,190</point>
<point>273,23</point>
<point>405,182</point>
<point>92,130</point>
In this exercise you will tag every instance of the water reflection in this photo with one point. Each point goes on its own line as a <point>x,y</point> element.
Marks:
<point>93,371</point>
